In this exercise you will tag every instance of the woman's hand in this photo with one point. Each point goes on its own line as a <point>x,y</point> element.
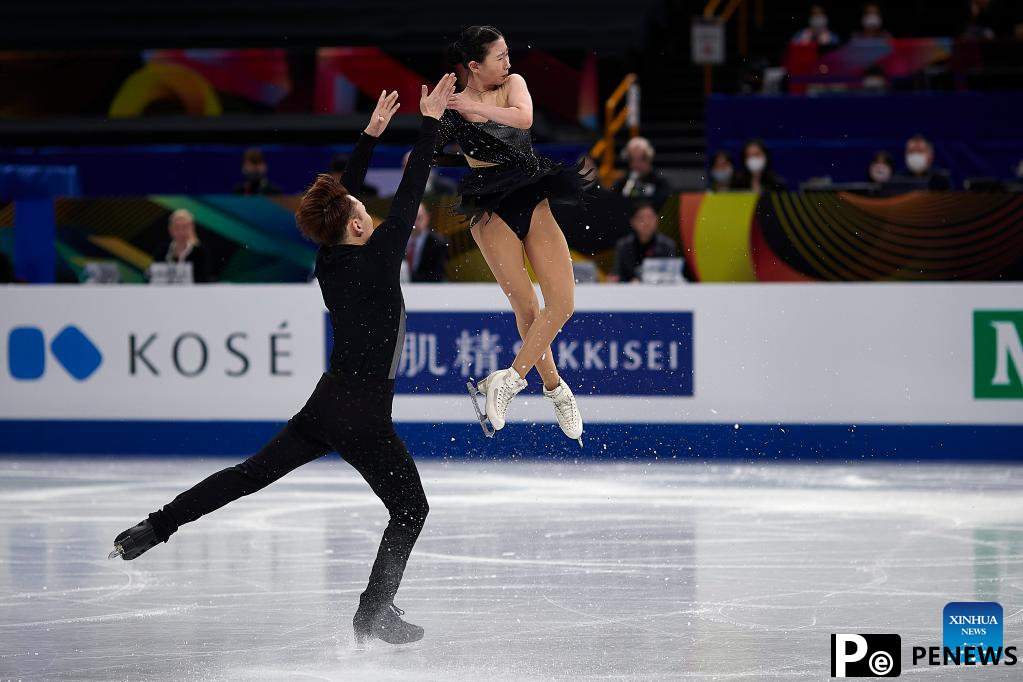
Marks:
<point>386,106</point>
<point>462,103</point>
<point>434,103</point>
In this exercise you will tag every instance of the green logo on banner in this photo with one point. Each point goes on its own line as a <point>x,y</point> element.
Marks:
<point>998,354</point>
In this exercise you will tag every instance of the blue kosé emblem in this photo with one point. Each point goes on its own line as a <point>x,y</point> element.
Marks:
<point>26,353</point>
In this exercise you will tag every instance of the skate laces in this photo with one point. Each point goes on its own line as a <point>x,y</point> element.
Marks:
<point>564,405</point>
<point>508,389</point>
<point>566,412</point>
<point>397,611</point>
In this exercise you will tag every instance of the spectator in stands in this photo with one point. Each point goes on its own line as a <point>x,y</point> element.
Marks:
<point>426,253</point>
<point>436,184</point>
<point>6,270</point>
<point>757,174</point>
<point>722,172</point>
<point>185,247</point>
<point>644,242</point>
<point>816,32</point>
<point>254,169</point>
<point>871,23</point>
<point>991,19</point>
<point>338,163</point>
<point>920,166</point>
<point>980,25</point>
<point>882,168</point>
<point>642,181</point>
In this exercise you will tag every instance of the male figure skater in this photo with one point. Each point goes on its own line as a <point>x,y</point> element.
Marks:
<point>349,412</point>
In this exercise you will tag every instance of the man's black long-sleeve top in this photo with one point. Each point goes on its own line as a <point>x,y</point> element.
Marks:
<point>360,284</point>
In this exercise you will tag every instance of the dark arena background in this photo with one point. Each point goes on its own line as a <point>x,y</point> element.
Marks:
<point>796,341</point>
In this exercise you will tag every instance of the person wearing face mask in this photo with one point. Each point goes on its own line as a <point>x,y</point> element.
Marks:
<point>881,169</point>
<point>994,19</point>
<point>722,171</point>
<point>757,174</point>
<point>920,168</point>
<point>872,24</point>
<point>816,32</point>
<point>254,169</point>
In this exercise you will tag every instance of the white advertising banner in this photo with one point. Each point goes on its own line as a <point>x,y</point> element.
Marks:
<point>202,352</point>
<point>800,353</point>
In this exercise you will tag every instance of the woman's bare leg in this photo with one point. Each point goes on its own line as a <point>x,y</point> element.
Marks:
<point>503,252</point>
<point>548,253</point>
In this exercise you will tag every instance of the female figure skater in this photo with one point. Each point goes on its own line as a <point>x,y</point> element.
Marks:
<point>507,198</point>
<point>350,410</point>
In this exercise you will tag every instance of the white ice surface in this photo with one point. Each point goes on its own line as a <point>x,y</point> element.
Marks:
<point>525,571</point>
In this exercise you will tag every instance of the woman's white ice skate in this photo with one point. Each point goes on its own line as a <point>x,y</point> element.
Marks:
<point>567,411</point>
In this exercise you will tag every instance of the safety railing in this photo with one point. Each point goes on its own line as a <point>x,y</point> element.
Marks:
<point>603,151</point>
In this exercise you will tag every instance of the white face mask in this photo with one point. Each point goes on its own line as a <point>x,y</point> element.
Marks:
<point>756,164</point>
<point>880,172</point>
<point>916,162</point>
<point>819,22</point>
<point>871,22</point>
<point>722,176</point>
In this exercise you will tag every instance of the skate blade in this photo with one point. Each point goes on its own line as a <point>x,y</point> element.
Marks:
<point>488,428</point>
<point>118,551</point>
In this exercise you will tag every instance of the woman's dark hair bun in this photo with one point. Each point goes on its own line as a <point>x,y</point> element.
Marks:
<point>454,54</point>
<point>472,45</point>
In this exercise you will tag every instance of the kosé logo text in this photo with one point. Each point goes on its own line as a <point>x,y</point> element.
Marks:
<point>192,354</point>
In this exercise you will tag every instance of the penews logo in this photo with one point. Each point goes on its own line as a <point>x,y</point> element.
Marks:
<point>998,354</point>
<point>26,353</point>
<point>876,655</point>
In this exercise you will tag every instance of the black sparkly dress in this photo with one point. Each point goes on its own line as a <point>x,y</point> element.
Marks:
<point>507,177</point>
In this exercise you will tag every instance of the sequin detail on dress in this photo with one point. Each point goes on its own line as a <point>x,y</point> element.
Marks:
<point>516,165</point>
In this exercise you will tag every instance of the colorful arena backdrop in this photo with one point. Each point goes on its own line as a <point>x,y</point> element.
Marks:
<point>734,237</point>
<point>254,239</point>
<point>841,236</point>
<point>212,82</point>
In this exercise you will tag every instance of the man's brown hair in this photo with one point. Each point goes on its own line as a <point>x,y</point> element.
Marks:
<point>325,210</point>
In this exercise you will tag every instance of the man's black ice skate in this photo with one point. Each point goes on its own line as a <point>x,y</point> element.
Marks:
<point>134,541</point>
<point>384,623</point>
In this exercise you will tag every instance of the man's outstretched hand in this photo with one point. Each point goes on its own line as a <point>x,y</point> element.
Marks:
<point>386,106</point>
<point>434,103</point>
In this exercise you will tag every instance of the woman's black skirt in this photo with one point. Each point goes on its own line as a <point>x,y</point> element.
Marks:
<point>512,193</point>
